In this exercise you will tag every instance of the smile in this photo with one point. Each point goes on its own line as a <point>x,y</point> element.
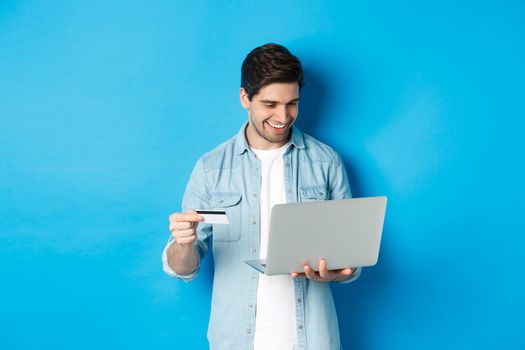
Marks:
<point>276,126</point>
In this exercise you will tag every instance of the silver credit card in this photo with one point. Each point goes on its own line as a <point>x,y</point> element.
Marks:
<point>213,216</point>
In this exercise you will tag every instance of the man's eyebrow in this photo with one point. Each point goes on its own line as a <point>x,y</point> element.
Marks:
<point>272,101</point>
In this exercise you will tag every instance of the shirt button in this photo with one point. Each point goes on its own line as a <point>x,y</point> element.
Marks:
<point>288,190</point>
<point>299,300</point>
<point>321,193</point>
<point>300,326</point>
<point>255,195</point>
<point>254,222</point>
<point>254,250</point>
<point>249,331</point>
<point>250,306</point>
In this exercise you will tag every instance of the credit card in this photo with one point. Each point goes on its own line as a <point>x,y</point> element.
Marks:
<point>213,216</point>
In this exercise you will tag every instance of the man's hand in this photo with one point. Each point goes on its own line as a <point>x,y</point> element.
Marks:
<point>324,275</point>
<point>182,227</point>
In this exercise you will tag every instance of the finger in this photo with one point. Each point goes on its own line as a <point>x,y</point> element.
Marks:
<point>347,272</point>
<point>341,274</point>
<point>183,233</point>
<point>298,275</point>
<point>344,270</point>
<point>188,216</point>
<point>309,272</point>
<point>323,270</point>
<point>181,225</point>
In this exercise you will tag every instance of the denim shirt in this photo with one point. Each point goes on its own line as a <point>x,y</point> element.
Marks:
<point>230,177</point>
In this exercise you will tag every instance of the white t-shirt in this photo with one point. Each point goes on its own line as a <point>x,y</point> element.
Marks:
<point>275,320</point>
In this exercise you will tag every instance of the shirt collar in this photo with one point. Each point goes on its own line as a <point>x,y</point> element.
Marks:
<point>241,145</point>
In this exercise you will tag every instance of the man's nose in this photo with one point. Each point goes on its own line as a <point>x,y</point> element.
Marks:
<point>281,114</point>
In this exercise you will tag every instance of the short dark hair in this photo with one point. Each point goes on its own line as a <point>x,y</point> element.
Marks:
<point>267,64</point>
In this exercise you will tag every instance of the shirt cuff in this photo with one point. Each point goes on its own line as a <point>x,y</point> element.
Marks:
<point>167,268</point>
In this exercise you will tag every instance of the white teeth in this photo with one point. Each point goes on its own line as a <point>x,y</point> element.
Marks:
<point>277,126</point>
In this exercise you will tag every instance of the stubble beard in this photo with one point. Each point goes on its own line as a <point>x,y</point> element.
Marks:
<point>271,137</point>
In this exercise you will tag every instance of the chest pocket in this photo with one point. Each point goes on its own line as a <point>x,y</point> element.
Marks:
<point>231,203</point>
<point>313,193</point>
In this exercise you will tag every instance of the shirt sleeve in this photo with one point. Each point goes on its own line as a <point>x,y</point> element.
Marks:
<point>340,189</point>
<point>196,196</point>
<point>339,185</point>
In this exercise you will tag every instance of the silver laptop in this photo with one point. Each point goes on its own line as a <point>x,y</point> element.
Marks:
<point>346,233</point>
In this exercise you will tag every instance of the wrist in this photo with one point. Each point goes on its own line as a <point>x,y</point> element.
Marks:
<point>183,245</point>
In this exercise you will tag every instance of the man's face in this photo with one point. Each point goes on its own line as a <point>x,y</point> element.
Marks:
<point>271,114</point>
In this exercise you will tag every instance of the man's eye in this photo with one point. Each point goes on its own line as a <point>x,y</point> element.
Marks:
<point>270,105</point>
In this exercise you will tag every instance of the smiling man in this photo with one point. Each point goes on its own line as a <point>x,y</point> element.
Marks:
<point>268,162</point>
<point>271,114</point>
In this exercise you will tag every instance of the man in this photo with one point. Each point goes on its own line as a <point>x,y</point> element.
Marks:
<point>268,162</point>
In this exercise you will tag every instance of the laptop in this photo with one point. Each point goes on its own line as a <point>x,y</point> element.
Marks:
<point>345,232</point>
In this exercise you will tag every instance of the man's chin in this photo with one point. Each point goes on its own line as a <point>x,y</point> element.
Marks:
<point>277,138</point>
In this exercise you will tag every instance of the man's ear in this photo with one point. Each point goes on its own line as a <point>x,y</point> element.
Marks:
<point>245,101</point>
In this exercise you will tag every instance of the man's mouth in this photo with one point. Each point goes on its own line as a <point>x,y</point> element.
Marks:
<point>276,127</point>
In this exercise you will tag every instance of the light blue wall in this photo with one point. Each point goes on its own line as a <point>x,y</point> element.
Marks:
<point>106,105</point>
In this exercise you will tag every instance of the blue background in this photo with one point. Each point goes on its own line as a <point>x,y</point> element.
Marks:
<point>106,105</point>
